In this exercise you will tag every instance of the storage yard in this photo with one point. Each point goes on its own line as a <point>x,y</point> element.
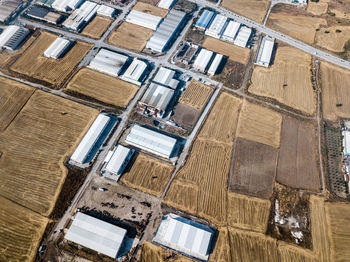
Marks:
<point>253,9</point>
<point>96,28</point>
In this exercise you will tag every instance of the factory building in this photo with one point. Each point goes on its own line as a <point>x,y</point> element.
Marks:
<point>165,77</point>
<point>151,141</point>
<point>95,234</point>
<point>105,10</point>
<point>243,36</point>
<point>84,150</point>
<point>143,19</point>
<point>44,14</point>
<point>215,64</point>
<point>265,51</point>
<point>116,161</point>
<point>47,3</point>
<point>135,72</point>
<point>12,37</point>
<point>204,20</point>
<point>58,48</point>
<point>108,62</point>
<point>203,59</point>
<point>231,31</point>
<point>66,5</point>
<point>164,34</point>
<point>184,235</point>
<point>156,99</point>
<point>346,142</point>
<point>166,4</point>
<point>217,27</point>
<point>8,8</point>
<point>81,16</point>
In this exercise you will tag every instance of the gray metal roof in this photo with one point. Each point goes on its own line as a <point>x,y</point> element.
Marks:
<point>157,96</point>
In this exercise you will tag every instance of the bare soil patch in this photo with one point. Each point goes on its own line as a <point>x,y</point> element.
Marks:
<point>185,115</point>
<point>333,38</point>
<point>150,9</point>
<point>253,9</point>
<point>96,28</point>
<point>231,75</point>
<point>317,8</point>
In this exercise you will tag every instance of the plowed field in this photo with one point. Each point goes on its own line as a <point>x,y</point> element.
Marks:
<point>196,95</point>
<point>97,27</point>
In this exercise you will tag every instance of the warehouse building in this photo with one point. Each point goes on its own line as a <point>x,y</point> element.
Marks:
<point>44,14</point>
<point>204,20</point>
<point>165,77</point>
<point>12,37</point>
<point>215,64</point>
<point>184,235</point>
<point>231,31</point>
<point>108,62</point>
<point>58,48</point>
<point>81,16</point>
<point>166,4</point>
<point>85,150</point>
<point>143,19</point>
<point>47,3</point>
<point>96,234</point>
<point>9,8</point>
<point>107,11</point>
<point>203,59</point>
<point>151,141</point>
<point>265,51</point>
<point>66,5</point>
<point>217,27</point>
<point>346,142</point>
<point>243,36</point>
<point>162,38</point>
<point>156,99</point>
<point>136,72</point>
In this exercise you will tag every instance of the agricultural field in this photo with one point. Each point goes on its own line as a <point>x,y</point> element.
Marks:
<point>13,96</point>
<point>153,252</point>
<point>185,116</point>
<point>130,36</point>
<point>253,9</point>
<point>147,174</point>
<point>102,87</point>
<point>333,38</point>
<point>231,75</point>
<point>253,168</point>
<point>287,80</point>
<point>21,231</point>
<point>259,124</point>
<point>96,28</point>
<point>335,82</point>
<point>317,8</point>
<point>150,9</point>
<point>34,147</point>
<point>45,70</point>
<point>196,95</point>
<point>340,9</point>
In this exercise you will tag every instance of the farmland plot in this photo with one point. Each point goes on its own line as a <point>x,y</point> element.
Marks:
<point>150,9</point>
<point>333,38</point>
<point>96,28</point>
<point>196,95</point>
<point>253,9</point>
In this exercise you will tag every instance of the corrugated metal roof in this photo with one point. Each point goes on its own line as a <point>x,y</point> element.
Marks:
<point>105,10</point>
<point>164,76</point>
<point>205,19</point>
<point>96,234</point>
<point>151,141</point>
<point>58,48</point>
<point>184,235</point>
<point>66,5</point>
<point>13,36</point>
<point>135,72</point>
<point>265,52</point>
<point>157,96</point>
<point>215,64</point>
<point>143,19</point>
<point>166,4</point>
<point>346,142</point>
<point>117,159</point>
<point>243,36</point>
<point>217,27</point>
<point>81,16</point>
<point>231,31</point>
<point>7,7</point>
<point>203,59</point>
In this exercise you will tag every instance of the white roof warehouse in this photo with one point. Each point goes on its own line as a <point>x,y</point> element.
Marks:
<point>265,51</point>
<point>81,16</point>
<point>12,37</point>
<point>58,48</point>
<point>143,19</point>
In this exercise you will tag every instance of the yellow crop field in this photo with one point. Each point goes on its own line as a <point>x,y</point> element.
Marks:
<point>97,27</point>
<point>53,72</point>
<point>233,52</point>
<point>148,175</point>
<point>333,40</point>
<point>152,252</point>
<point>102,87</point>
<point>317,8</point>
<point>291,253</point>
<point>259,124</point>
<point>196,95</point>
<point>253,9</point>
<point>335,83</point>
<point>34,146</point>
<point>150,9</point>
<point>287,80</point>
<point>130,36</point>
<point>21,231</point>
<point>13,96</point>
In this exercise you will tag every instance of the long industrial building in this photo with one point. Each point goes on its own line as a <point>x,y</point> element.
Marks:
<point>265,51</point>
<point>12,37</point>
<point>143,19</point>
<point>165,77</point>
<point>164,34</point>
<point>85,148</point>
<point>243,36</point>
<point>166,4</point>
<point>135,73</point>
<point>184,235</point>
<point>217,27</point>
<point>204,20</point>
<point>95,234</point>
<point>203,59</point>
<point>81,16</point>
<point>108,62</point>
<point>117,160</point>
<point>231,31</point>
<point>66,5</point>
<point>215,64</point>
<point>9,8</point>
<point>151,141</point>
<point>43,14</point>
<point>105,10</point>
<point>346,142</point>
<point>58,48</point>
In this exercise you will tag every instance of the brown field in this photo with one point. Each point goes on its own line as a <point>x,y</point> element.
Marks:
<point>196,95</point>
<point>335,83</point>
<point>54,72</point>
<point>13,96</point>
<point>338,217</point>
<point>34,146</point>
<point>153,252</point>
<point>102,87</point>
<point>233,52</point>
<point>291,253</point>
<point>333,41</point>
<point>317,8</point>
<point>253,9</point>
<point>253,168</point>
<point>287,80</point>
<point>130,36</point>
<point>21,231</point>
<point>297,163</point>
<point>259,124</point>
<point>221,252</point>
<point>148,175</point>
<point>185,115</point>
<point>341,9</point>
<point>150,9</point>
<point>96,28</point>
